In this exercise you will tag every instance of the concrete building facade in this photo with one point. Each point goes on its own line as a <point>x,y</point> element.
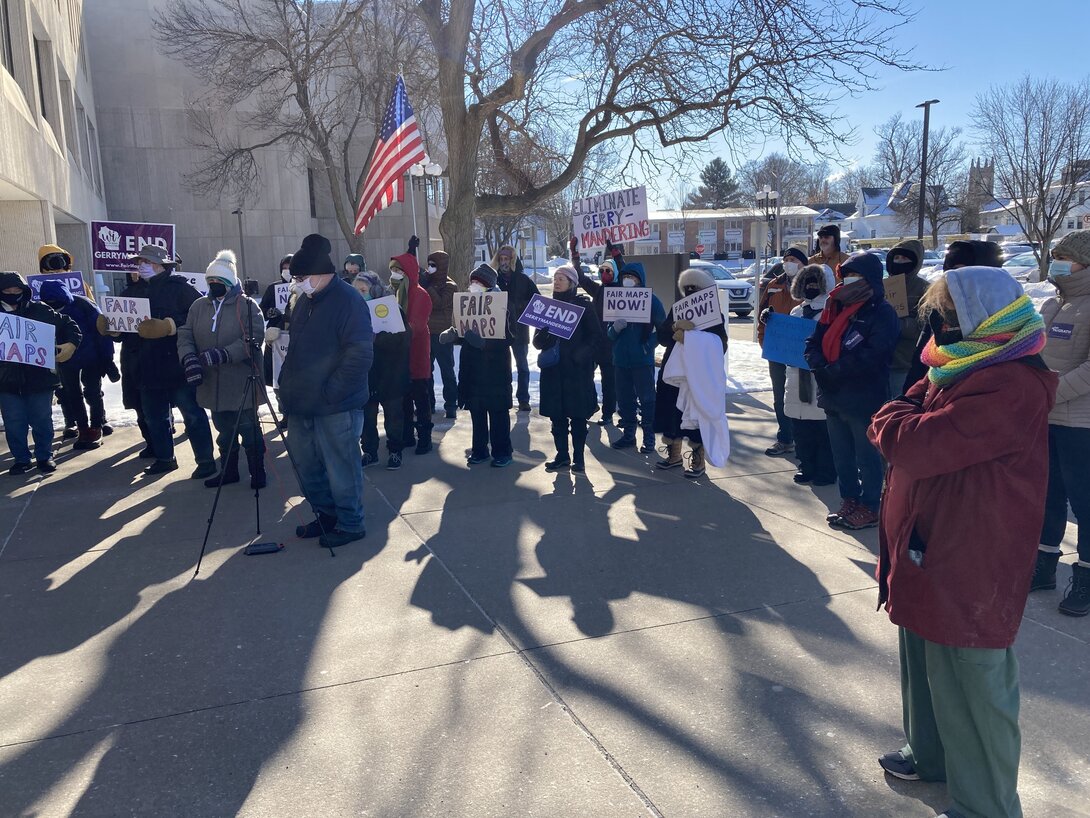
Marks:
<point>51,176</point>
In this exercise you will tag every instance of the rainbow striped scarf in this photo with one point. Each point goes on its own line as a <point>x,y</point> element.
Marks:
<point>1014,332</point>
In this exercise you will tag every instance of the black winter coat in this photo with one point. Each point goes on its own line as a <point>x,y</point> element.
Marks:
<point>158,366</point>
<point>567,389</point>
<point>130,357</point>
<point>667,415</point>
<point>484,375</point>
<point>23,379</point>
<point>520,289</point>
<point>604,356</point>
<point>389,376</point>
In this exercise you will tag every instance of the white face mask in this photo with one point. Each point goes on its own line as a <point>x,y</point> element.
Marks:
<point>285,275</point>
<point>145,270</point>
<point>305,287</point>
<point>396,276</point>
<point>476,287</point>
<point>431,269</point>
<point>630,282</point>
<point>791,267</point>
<point>852,279</point>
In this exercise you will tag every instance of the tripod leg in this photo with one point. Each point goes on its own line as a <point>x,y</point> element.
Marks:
<point>219,487</point>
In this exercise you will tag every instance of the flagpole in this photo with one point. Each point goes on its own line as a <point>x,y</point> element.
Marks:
<point>412,198</point>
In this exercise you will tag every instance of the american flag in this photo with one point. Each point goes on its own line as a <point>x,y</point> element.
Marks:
<point>400,146</point>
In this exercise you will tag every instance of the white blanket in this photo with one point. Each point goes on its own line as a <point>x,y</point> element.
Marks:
<point>696,369</point>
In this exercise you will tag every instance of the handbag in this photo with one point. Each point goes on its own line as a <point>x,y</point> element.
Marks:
<point>549,357</point>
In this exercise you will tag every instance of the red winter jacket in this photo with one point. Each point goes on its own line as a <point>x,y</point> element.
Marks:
<point>418,312</point>
<point>966,481</point>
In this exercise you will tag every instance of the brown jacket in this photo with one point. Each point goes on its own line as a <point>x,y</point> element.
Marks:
<point>775,295</point>
<point>833,261</point>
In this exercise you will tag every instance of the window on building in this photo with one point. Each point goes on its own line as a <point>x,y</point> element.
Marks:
<point>310,193</point>
<point>1070,224</point>
<point>68,115</point>
<point>92,136</point>
<point>84,143</point>
<point>39,62</point>
<point>6,55</point>
<point>707,224</point>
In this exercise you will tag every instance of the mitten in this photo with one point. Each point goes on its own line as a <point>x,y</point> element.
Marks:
<point>151,328</point>
<point>414,242</point>
<point>214,357</point>
<point>271,335</point>
<point>684,324</point>
<point>193,374</point>
<point>573,244</point>
<point>110,370</point>
<point>65,352</point>
<point>763,317</point>
<point>619,325</point>
<point>102,324</point>
<point>272,313</point>
<point>474,339</point>
<point>448,336</point>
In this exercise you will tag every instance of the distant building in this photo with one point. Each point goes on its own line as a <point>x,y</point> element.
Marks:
<point>728,231</point>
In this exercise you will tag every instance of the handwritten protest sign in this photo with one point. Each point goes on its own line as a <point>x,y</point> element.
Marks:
<point>785,339</point>
<point>279,349</point>
<point>558,317</point>
<point>283,295</point>
<point>71,281</point>
<point>897,294</point>
<point>619,216</point>
<point>23,341</point>
<point>485,313</point>
<point>385,315</point>
<point>123,314</point>
<point>702,308</point>
<point>630,303</point>
<point>197,281</point>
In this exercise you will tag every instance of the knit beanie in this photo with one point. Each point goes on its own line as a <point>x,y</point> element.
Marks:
<point>312,258</point>
<point>375,287</point>
<point>830,230</point>
<point>1075,246</point>
<point>485,275</point>
<point>223,268</point>
<point>569,273</point>
<point>694,277</point>
<point>972,254</point>
<point>796,254</point>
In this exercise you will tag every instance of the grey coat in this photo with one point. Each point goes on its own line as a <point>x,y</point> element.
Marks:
<point>1067,325</point>
<point>239,317</point>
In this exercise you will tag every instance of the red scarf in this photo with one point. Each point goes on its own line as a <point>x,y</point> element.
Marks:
<point>836,316</point>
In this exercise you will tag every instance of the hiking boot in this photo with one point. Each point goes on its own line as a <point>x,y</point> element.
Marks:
<point>1044,572</point>
<point>696,467</point>
<point>561,461</point>
<point>778,449</point>
<point>393,462</point>
<point>898,766</point>
<point>47,466</point>
<point>19,468</point>
<point>228,469</point>
<point>336,538</point>
<point>369,459</point>
<point>207,470</point>
<point>423,446</point>
<point>1076,601</point>
<point>501,462</point>
<point>859,517</point>
<point>107,430</point>
<point>671,455</point>
<point>847,506</point>
<point>90,437</point>
<point>625,441</point>
<point>255,459</point>
<point>316,527</point>
<point>163,466</point>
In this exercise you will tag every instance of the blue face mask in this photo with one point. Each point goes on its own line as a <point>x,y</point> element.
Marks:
<point>1059,268</point>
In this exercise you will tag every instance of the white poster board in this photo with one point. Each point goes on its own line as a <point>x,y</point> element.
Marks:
<point>619,216</point>
<point>279,349</point>
<point>485,313</point>
<point>633,304</point>
<point>386,315</point>
<point>123,314</point>
<point>198,281</point>
<point>283,294</point>
<point>702,308</point>
<point>23,341</point>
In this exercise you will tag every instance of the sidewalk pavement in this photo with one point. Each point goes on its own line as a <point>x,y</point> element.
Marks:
<point>505,642</point>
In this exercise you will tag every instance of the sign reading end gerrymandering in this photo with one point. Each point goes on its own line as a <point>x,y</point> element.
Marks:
<point>558,317</point>
<point>23,341</point>
<point>619,217</point>
<point>71,281</point>
<point>702,308</point>
<point>114,243</point>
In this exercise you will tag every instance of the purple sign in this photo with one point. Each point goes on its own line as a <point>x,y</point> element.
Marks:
<point>114,243</point>
<point>558,317</point>
<point>72,281</point>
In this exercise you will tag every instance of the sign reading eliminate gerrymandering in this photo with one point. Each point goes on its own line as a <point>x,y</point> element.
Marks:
<point>619,216</point>
<point>630,303</point>
<point>484,313</point>
<point>702,308</point>
<point>123,314</point>
<point>23,341</point>
<point>558,317</point>
<point>114,243</point>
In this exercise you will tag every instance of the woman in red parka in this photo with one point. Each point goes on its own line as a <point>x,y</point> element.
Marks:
<point>416,304</point>
<point>967,449</point>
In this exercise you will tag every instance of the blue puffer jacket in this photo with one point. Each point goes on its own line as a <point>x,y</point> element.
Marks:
<point>635,344</point>
<point>94,351</point>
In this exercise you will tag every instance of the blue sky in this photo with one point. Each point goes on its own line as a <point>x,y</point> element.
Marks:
<point>981,44</point>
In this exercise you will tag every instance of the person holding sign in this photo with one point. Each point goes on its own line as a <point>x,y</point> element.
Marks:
<point>388,381</point>
<point>441,291</point>
<point>668,416</point>
<point>520,289</point>
<point>568,397</point>
<point>484,381</point>
<point>634,361</point>
<point>415,303</point>
<point>811,432</point>
<point>775,296</point>
<point>849,354</point>
<point>905,261</point>
<point>27,380</point>
<point>603,359</point>
<point>217,346</point>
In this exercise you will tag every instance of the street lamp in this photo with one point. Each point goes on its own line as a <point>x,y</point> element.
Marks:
<point>241,246</point>
<point>923,163</point>
<point>426,171</point>
<point>769,200</point>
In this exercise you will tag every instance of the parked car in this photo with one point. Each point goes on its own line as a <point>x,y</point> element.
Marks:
<point>1011,249</point>
<point>739,293</point>
<point>1021,266</point>
<point>755,270</point>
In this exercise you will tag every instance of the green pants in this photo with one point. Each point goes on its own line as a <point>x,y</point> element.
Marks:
<point>961,721</point>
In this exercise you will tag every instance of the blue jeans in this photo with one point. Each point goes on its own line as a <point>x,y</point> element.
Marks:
<point>326,450</point>
<point>859,468</point>
<point>522,364</point>
<point>444,354</point>
<point>157,403</point>
<point>636,385</point>
<point>23,413</point>
<point>1068,465</point>
<point>785,430</point>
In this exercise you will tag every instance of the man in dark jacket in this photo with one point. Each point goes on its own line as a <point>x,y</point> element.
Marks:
<point>849,355</point>
<point>323,389</point>
<point>906,259</point>
<point>81,375</point>
<point>26,390</point>
<point>441,290</point>
<point>520,289</point>
<point>603,359</point>
<point>161,377</point>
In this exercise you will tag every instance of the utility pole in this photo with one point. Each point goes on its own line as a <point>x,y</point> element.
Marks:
<point>923,164</point>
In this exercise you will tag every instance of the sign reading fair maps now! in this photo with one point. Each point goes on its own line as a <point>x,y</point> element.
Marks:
<point>619,217</point>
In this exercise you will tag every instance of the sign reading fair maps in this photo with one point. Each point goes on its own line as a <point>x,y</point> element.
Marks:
<point>619,217</point>
<point>114,243</point>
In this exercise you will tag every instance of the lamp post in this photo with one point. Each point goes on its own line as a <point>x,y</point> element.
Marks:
<point>241,247</point>
<point>426,171</point>
<point>923,163</point>
<point>769,200</point>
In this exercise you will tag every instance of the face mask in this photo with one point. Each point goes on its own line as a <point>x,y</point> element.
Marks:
<point>366,295</point>
<point>145,270</point>
<point>476,287</point>
<point>607,276</point>
<point>791,268</point>
<point>12,299</point>
<point>900,268</point>
<point>631,282</point>
<point>217,289</point>
<point>396,276</point>
<point>812,291</point>
<point>689,290</point>
<point>944,328</point>
<point>305,287</point>
<point>285,275</point>
<point>431,269</point>
<point>1058,268</point>
<point>852,279</point>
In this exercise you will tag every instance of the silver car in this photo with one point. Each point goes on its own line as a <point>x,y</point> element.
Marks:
<point>739,293</point>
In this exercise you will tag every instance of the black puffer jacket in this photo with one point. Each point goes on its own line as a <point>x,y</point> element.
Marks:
<point>604,356</point>
<point>520,289</point>
<point>567,389</point>
<point>24,379</point>
<point>389,376</point>
<point>170,296</point>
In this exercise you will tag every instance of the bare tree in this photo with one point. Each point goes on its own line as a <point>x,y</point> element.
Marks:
<point>898,151</point>
<point>847,185</point>
<point>791,179</point>
<point>652,73</point>
<point>1038,133</point>
<point>311,76</point>
<point>947,180</point>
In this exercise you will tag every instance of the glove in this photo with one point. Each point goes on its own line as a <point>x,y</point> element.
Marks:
<point>448,336</point>
<point>109,369</point>
<point>271,335</point>
<point>414,242</point>
<point>543,333</point>
<point>573,244</point>
<point>272,313</point>
<point>151,328</point>
<point>679,336</point>
<point>193,374</point>
<point>65,352</point>
<point>763,317</point>
<point>474,339</point>
<point>619,325</point>
<point>684,324</point>
<point>102,324</point>
<point>214,357</point>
